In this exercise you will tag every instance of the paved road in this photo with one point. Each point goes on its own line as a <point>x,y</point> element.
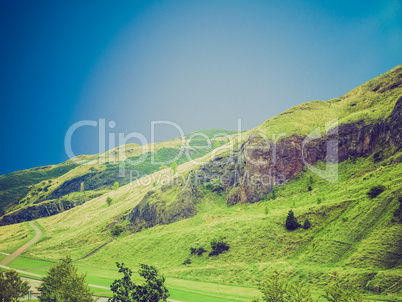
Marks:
<point>18,252</point>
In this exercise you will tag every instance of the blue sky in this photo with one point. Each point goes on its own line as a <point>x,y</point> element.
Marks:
<point>200,64</point>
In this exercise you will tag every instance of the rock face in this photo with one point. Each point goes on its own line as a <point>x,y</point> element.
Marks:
<point>158,207</point>
<point>44,209</point>
<point>259,165</point>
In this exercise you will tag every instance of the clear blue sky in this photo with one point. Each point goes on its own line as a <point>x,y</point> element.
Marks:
<point>201,64</point>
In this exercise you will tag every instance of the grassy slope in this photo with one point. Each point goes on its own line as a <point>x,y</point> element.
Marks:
<point>24,188</point>
<point>350,232</point>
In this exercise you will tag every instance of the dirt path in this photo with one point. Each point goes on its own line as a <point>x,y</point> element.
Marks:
<point>18,252</point>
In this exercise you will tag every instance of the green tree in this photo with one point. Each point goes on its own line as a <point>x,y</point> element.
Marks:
<point>155,183</point>
<point>109,201</point>
<point>299,293</point>
<point>173,166</point>
<point>116,186</point>
<point>334,292</point>
<point>11,286</point>
<point>152,290</point>
<point>306,224</point>
<point>216,144</point>
<point>273,288</point>
<point>291,222</point>
<point>63,283</point>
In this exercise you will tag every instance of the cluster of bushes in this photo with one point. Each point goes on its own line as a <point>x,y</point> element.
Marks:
<point>197,251</point>
<point>218,247</point>
<point>292,224</point>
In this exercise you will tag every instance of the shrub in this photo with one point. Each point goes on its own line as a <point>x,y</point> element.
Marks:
<point>109,201</point>
<point>306,224</point>
<point>266,211</point>
<point>197,251</point>
<point>397,213</point>
<point>116,230</point>
<point>187,261</point>
<point>309,188</point>
<point>291,222</point>
<point>115,186</point>
<point>375,191</point>
<point>218,247</point>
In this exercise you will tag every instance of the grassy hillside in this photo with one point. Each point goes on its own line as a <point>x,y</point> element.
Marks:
<point>99,172</point>
<point>352,233</point>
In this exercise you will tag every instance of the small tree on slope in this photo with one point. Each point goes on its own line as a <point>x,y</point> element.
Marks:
<point>291,222</point>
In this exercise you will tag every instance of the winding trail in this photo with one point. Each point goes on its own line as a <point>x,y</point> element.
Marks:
<point>36,283</point>
<point>11,257</point>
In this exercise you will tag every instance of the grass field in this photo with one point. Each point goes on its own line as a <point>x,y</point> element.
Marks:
<point>350,234</point>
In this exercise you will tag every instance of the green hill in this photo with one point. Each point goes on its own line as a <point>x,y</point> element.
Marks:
<point>337,163</point>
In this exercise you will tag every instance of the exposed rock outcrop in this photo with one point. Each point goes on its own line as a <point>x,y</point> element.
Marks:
<point>44,209</point>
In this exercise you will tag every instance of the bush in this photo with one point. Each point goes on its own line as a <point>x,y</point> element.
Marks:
<point>375,191</point>
<point>218,247</point>
<point>397,213</point>
<point>306,224</point>
<point>109,201</point>
<point>187,261</point>
<point>309,188</point>
<point>116,230</point>
<point>291,222</point>
<point>197,251</point>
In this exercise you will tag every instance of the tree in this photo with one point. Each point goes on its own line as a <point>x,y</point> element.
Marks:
<point>152,290</point>
<point>216,144</point>
<point>306,224</point>
<point>273,288</point>
<point>116,186</point>
<point>291,222</point>
<point>63,283</point>
<point>11,286</point>
<point>334,292</point>
<point>173,166</point>
<point>109,201</point>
